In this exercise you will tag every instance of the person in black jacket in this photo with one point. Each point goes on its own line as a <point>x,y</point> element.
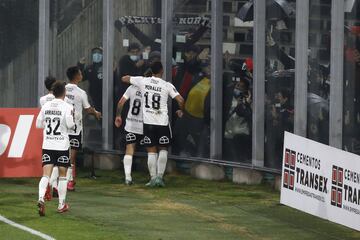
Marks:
<point>94,74</point>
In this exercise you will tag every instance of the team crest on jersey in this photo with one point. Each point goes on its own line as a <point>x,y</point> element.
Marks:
<point>63,159</point>
<point>147,140</point>
<point>74,143</point>
<point>46,158</point>
<point>164,140</point>
<point>130,137</point>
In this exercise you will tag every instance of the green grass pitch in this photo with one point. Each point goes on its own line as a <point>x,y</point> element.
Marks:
<point>186,209</point>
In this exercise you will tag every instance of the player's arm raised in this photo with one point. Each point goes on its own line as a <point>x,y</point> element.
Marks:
<point>137,81</point>
<point>120,106</point>
<point>126,79</point>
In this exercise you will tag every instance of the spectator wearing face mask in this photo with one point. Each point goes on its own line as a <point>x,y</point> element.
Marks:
<point>94,74</point>
<point>129,64</point>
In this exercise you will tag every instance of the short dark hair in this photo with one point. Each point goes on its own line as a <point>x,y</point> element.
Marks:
<point>58,88</point>
<point>133,46</point>
<point>156,67</point>
<point>97,49</point>
<point>49,81</point>
<point>71,72</point>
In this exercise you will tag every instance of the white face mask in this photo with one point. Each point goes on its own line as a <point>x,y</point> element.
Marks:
<point>134,57</point>
<point>97,57</point>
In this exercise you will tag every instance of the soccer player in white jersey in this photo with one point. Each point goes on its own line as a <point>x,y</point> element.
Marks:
<point>57,118</point>
<point>133,126</point>
<point>49,81</point>
<point>157,132</point>
<point>79,99</point>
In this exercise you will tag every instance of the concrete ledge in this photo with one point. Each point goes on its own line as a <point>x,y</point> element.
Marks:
<point>277,182</point>
<point>246,176</point>
<point>207,171</point>
<point>171,166</point>
<point>103,161</point>
<point>115,161</point>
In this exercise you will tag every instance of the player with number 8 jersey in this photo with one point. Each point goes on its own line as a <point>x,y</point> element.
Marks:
<point>157,131</point>
<point>133,126</point>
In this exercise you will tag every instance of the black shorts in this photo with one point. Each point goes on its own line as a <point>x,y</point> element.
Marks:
<point>133,138</point>
<point>155,135</point>
<point>58,158</point>
<point>76,141</point>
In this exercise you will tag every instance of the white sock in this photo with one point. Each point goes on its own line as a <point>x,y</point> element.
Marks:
<point>62,188</point>
<point>44,181</point>
<point>54,177</point>
<point>69,173</point>
<point>157,159</point>
<point>162,160</point>
<point>127,166</point>
<point>152,164</point>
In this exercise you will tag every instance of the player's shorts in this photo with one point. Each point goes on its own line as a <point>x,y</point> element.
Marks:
<point>56,157</point>
<point>133,138</point>
<point>76,141</point>
<point>155,135</point>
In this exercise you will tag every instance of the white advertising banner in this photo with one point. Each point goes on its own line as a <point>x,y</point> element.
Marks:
<point>321,180</point>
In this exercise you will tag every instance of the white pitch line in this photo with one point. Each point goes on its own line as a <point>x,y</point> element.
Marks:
<point>32,231</point>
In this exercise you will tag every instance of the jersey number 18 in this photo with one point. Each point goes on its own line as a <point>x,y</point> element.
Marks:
<point>155,100</point>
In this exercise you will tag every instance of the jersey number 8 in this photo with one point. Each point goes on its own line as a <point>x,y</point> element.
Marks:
<point>135,110</point>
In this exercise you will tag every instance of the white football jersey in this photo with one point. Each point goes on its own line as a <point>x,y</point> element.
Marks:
<point>47,98</point>
<point>56,117</point>
<point>134,120</point>
<point>79,99</point>
<point>155,93</point>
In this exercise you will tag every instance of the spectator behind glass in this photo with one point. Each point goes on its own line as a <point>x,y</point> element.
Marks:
<point>129,64</point>
<point>185,71</point>
<point>192,131</point>
<point>238,123</point>
<point>281,115</point>
<point>94,74</point>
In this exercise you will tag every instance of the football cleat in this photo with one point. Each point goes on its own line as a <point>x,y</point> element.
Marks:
<point>128,182</point>
<point>55,193</point>
<point>151,183</point>
<point>71,186</point>
<point>47,196</point>
<point>41,208</point>
<point>159,182</point>
<point>65,208</point>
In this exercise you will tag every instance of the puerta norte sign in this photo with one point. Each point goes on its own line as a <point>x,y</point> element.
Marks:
<point>194,20</point>
<point>321,180</point>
